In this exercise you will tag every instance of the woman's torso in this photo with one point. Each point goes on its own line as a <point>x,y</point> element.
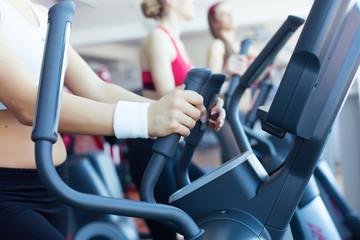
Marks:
<point>180,64</point>
<point>16,147</point>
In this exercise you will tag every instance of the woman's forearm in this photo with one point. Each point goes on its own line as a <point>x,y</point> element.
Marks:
<point>83,116</point>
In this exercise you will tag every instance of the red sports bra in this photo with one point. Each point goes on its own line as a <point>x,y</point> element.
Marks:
<point>179,68</point>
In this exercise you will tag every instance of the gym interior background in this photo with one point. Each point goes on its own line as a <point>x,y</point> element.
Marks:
<point>108,33</point>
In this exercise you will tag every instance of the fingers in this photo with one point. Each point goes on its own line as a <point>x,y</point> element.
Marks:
<point>193,98</point>
<point>237,64</point>
<point>187,102</point>
<point>219,103</point>
<point>217,109</point>
<point>186,123</point>
<point>183,131</point>
<point>181,123</point>
<point>191,111</point>
<point>188,110</point>
<point>217,115</point>
<point>176,112</point>
<point>218,122</point>
<point>203,117</point>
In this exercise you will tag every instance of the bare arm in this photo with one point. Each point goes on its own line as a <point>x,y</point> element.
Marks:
<point>235,64</point>
<point>83,81</point>
<point>80,115</point>
<point>19,90</point>
<point>215,56</point>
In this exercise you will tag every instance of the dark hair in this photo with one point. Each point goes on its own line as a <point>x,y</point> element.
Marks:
<point>216,33</point>
<point>152,8</point>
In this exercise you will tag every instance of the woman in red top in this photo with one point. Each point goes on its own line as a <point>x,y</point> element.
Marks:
<point>179,67</point>
<point>225,46</point>
<point>164,63</point>
<point>163,58</point>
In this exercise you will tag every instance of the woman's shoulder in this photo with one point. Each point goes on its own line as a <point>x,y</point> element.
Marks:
<point>217,46</point>
<point>217,43</point>
<point>157,37</point>
<point>157,34</point>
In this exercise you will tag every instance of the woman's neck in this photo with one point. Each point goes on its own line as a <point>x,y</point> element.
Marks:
<point>230,37</point>
<point>173,23</point>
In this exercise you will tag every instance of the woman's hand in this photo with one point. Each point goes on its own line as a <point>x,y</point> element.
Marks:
<point>236,64</point>
<point>217,115</point>
<point>176,112</point>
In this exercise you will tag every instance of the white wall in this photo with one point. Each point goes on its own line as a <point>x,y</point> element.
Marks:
<point>345,148</point>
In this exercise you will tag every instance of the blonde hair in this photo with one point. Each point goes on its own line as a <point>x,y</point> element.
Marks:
<point>152,8</point>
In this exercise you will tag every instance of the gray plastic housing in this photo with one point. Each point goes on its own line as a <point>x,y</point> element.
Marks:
<point>310,96</point>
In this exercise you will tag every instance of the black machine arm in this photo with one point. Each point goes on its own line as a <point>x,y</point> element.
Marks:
<point>310,96</point>
<point>45,135</point>
<point>254,71</point>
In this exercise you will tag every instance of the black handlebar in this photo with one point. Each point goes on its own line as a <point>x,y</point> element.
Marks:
<point>210,93</point>
<point>165,147</point>
<point>48,102</point>
<point>195,80</point>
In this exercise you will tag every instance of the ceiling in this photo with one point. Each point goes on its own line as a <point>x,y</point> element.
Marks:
<point>109,32</point>
<point>108,21</point>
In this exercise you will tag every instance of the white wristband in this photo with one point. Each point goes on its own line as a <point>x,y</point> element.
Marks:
<point>130,120</point>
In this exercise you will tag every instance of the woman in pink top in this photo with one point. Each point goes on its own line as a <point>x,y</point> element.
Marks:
<point>179,67</point>
<point>163,57</point>
<point>164,63</point>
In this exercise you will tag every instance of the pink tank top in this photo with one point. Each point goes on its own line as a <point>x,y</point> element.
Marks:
<point>179,68</point>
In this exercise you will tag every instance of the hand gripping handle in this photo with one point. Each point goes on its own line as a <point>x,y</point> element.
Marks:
<point>195,80</point>
<point>164,147</point>
<point>210,93</point>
